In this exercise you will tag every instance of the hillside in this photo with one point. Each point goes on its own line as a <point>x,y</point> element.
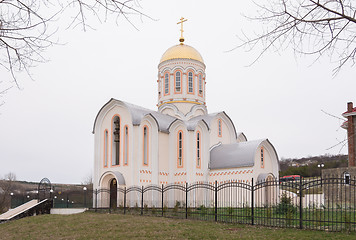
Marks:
<point>308,166</point>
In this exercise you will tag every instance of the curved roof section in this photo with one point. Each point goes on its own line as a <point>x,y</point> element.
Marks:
<point>181,51</point>
<point>234,155</point>
<point>208,118</point>
<point>138,113</point>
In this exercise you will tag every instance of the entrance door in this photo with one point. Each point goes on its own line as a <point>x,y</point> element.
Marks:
<point>270,190</point>
<point>113,193</point>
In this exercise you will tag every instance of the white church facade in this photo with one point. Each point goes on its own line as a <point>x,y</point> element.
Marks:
<point>180,142</point>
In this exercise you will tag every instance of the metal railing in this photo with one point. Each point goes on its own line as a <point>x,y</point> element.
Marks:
<point>323,204</point>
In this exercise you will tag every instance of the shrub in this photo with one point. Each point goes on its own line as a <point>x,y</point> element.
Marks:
<point>165,208</point>
<point>286,206</point>
<point>189,211</point>
<point>246,210</point>
<point>176,206</point>
<point>203,210</point>
<point>347,219</point>
<point>230,210</point>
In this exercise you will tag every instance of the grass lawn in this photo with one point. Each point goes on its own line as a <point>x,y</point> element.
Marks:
<point>117,226</point>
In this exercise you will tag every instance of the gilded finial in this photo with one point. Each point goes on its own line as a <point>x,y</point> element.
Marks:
<point>182,20</point>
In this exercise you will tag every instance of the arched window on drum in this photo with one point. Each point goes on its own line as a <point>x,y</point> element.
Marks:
<point>166,84</point>
<point>190,82</point>
<point>200,85</point>
<point>178,82</point>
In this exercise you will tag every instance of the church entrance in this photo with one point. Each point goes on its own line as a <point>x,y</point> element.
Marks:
<point>113,193</point>
<point>270,190</point>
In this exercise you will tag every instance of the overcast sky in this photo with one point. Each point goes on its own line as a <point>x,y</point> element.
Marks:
<point>46,128</point>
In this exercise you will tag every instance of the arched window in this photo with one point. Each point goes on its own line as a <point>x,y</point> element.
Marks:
<point>126,148</point>
<point>145,145</point>
<point>180,149</point>
<point>200,85</point>
<point>116,142</point>
<point>178,82</point>
<point>219,128</point>
<point>166,84</point>
<point>106,148</point>
<point>262,158</point>
<point>198,150</point>
<point>347,178</point>
<point>190,83</point>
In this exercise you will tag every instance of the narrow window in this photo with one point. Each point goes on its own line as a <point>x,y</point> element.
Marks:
<point>166,84</point>
<point>126,145</point>
<point>180,149</point>
<point>145,146</point>
<point>200,85</point>
<point>106,148</point>
<point>116,151</point>
<point>178,82</point>
<point>190,82</point>
<point>347,178</point>
<point>219,128</point>
<point>198,149</point>
<point>262,158</point>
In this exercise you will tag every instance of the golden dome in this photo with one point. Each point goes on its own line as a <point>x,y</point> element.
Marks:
<point>181,51</point>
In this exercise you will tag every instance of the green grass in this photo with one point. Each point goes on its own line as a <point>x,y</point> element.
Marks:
<point>118,226</point>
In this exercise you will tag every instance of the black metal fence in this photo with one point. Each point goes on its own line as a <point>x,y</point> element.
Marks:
<point>323,204</point>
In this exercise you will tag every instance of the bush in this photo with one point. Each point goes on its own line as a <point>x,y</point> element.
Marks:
<point>176,206</point>
<point>203,210</point>
<point>286,206</point>
<point>247,210</point>
<point>230,210</point>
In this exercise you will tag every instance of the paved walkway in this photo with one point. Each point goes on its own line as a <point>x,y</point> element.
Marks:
<point>20,209</point>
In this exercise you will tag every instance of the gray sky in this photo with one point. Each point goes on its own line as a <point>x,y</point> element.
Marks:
<point>45,128</point>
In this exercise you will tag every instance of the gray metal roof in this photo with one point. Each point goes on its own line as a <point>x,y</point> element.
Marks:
<point>234,155</point>
<point>191,123</point>
<point>138,113</point>
<point>163,121</point>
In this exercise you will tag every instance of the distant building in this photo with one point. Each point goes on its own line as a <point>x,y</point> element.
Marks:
<point>350,126</point>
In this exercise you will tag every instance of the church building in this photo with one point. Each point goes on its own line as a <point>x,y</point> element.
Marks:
<point>180,142</point>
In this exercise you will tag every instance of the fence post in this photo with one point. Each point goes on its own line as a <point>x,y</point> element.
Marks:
<point>252,203</point>
<point>216,200</point>
<point>300,203</point>
<point>162,201</point>
<point>67,200</point>
<point>186,200</point>
<point>125,200</point>
<point>142,201</point>
<point>96,200</point>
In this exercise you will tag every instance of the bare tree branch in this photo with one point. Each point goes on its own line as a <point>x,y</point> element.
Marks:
<point>28,27</point>
<point>310,27</point>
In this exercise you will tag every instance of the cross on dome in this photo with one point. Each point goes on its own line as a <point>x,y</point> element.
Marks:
<point>182,20</point>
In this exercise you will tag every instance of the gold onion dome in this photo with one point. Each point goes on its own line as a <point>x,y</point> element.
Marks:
<point>181,51</point>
